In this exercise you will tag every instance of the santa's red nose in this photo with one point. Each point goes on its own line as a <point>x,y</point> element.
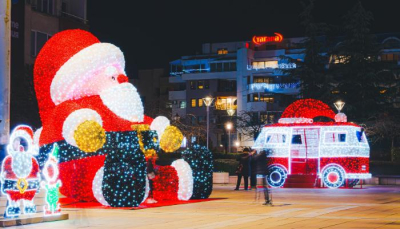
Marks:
<point>122,79</point>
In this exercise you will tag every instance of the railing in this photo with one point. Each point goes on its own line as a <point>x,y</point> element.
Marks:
<point>274,87</point>
<point>74,17</point>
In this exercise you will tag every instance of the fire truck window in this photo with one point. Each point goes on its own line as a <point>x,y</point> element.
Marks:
<point>296,139</point>
<point>342,137</point>
<point>360,136</point>
<point>275,138</point>
<point>329,137</point>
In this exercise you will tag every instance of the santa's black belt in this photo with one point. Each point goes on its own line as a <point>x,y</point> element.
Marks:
<point>13,184</point>
<point>124,140</point>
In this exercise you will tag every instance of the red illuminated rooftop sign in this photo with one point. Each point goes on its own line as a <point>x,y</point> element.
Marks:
<point>259,40</point>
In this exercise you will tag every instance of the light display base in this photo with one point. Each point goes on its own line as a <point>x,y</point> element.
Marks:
<point>32,219</point>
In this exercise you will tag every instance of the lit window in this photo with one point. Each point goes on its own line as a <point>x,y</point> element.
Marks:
<point>383,91</point>
<point>222,51</point>
<point>390,57</point>
<point>193,102</point>
<point>271,64</point>
<point>200,102</point>
<point>200,84</point>
<point>182,104</point>
<point>335,92</point>
<point>224,103</point>
<point>265,64</point>
<point>339,59</point>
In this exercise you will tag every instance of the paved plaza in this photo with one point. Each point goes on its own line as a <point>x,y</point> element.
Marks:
<point>372,207</point>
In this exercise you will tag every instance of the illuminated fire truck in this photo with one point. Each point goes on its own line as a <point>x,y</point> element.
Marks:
<point>335,151</point>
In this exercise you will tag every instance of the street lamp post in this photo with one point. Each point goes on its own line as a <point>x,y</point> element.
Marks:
<point>207,101</point>
<point>229,127</point>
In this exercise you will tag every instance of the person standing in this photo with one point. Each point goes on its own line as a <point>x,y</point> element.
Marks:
<point>243,169</point>
<point>261,171</point>
<point>253,170</point>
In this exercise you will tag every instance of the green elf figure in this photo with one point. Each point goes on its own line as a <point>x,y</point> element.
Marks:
<point>53,184</point>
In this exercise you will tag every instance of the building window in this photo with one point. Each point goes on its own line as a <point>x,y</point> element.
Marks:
<point>263,80</point>
<point>265,64</point>
<point>38,39</point>
<point>44,6</point>
<point>200,84</point>
<point>263,98</point>
<point>193,103</point>
<point>192,85</point>
<point>200,102</point>
<point>222,51</point>
<point>389,57</point>
<point>206,84</point>
<point>224,103</point>
<point>182,104</point>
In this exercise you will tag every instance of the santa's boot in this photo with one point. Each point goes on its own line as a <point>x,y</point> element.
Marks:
<point>201,163</point>
<point>12,210</point>
<point>124,179</point>
<point>29,207</point>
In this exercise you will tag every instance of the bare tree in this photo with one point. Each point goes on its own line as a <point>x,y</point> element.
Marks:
<point>385,128</point>
<point>191,128</point>
<point>249,125</point>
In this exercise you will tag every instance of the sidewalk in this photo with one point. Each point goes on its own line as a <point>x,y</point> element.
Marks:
<point>372,207</point>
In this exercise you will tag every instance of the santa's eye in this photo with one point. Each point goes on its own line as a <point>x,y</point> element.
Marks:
<point>113,77</point>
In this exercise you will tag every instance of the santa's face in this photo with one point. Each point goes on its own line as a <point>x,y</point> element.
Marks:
<point>117,94</point>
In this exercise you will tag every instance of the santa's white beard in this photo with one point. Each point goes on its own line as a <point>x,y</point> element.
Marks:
<point>124,101</point>
<point>21,164</point>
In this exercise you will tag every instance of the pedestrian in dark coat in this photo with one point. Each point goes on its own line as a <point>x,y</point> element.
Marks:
<point>261,170</point>
<point>253,171</point>
<point>243,169</point>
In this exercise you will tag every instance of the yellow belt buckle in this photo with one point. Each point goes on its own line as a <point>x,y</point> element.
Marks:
<point>22,190</point>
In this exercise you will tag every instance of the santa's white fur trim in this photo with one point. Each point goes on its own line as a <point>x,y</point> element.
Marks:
<point>36,136</point>
<point>20,132</point>
<point>75,119</point>
<point>185,176</point>
<point>147,190</point>
<point>73,75</point>
<point>159,124</point>
<point>97,187</point>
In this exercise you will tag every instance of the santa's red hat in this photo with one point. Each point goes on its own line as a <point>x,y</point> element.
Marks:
<point>66,61</point>
<point>25,132</point>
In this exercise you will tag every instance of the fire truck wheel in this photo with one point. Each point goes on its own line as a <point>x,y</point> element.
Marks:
<point>333,176</point>
<point>276,176</point>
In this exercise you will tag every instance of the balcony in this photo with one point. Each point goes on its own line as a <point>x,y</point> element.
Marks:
<point>177,95</point>
<point>281,88</point>
<point>209,75</point>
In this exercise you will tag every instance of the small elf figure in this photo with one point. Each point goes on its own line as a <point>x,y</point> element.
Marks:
<point>52,184</point>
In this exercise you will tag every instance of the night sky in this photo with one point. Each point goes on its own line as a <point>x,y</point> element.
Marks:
<point>152,33</point>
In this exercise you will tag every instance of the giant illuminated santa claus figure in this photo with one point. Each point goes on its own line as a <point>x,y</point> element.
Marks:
<point>88,107</point>
<point>20,174</point>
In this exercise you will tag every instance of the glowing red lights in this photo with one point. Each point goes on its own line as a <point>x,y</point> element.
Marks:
<point>259,40</point>
<point>308,108</point>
